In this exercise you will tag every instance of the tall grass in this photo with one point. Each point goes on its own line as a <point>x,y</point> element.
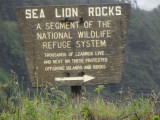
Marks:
<point>54,104</point>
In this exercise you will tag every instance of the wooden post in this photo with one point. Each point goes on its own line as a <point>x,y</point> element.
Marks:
<point>76,95</point>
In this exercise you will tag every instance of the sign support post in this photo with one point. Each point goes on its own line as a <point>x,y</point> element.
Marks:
<point>76,94</point>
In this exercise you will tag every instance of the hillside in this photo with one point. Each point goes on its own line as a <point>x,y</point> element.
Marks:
<point>142,61</point>
<point>141,70</point>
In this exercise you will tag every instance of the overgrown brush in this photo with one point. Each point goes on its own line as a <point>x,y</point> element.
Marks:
<point>54,104</point>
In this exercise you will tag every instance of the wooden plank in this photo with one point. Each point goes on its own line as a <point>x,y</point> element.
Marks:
<point>62,41</point>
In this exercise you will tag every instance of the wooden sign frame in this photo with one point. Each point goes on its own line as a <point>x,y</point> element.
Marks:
<point>74,45</point>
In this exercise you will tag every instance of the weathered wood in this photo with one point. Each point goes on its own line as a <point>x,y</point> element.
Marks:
<point>74,41</point>
<point>76,91</point>
<point>76,95</point>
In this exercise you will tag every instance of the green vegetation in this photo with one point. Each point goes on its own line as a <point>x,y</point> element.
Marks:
<point>53,104</point>
<point>4,76</point>
<point>141,70</point>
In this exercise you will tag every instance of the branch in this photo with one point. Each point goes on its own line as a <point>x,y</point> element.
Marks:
<point>126,116</point>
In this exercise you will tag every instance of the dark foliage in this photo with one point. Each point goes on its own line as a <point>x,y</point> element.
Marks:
<point>142,61</point>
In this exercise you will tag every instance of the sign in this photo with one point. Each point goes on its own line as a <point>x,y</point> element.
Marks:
<point>64,44</point>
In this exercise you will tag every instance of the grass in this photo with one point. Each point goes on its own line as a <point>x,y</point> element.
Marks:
<point>54,104</point>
